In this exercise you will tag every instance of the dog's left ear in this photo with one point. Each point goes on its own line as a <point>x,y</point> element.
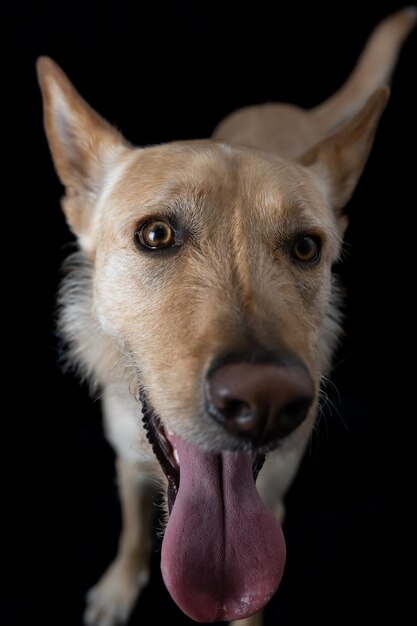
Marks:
<point>338,161</point>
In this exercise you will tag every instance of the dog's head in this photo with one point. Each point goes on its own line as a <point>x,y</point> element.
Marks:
<point>212,269</point>
<point>211,262</point>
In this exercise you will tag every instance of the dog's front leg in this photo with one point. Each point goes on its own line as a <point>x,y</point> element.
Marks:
<point>253,620</point>
<point>111,601</point>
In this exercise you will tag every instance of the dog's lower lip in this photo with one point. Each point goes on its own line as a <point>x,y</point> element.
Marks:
<point>161,440</point>
<point>161,446</point>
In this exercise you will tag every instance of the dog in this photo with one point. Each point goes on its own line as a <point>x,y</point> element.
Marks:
<point>202,303</point>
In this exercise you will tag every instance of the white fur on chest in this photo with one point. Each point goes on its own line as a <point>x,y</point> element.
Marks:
<point>124,428</point>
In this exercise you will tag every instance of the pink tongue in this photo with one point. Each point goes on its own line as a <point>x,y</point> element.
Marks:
<point>223,553</point>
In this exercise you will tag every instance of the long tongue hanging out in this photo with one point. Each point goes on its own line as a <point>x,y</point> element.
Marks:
<point>223,553</point>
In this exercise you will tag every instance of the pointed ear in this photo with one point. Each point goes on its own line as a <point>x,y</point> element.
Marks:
<point>338,161</point>
<point>83,144</point>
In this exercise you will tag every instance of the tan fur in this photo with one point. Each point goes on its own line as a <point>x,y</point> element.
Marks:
<point>132,318</point>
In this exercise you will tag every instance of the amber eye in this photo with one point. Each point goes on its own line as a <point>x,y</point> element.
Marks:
<point>306,250</point>
<point>155,235</point>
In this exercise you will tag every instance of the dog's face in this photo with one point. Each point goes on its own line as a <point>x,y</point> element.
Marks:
<point>206,253</point>
<point>234,276</point>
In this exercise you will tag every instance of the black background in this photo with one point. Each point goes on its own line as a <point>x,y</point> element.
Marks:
<point>170,72</point>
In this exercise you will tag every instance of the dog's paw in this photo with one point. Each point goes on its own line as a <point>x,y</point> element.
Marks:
<point>111,601</point>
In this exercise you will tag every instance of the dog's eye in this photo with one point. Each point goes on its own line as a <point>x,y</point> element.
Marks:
<point>155,235</point>
<point>306,250</point>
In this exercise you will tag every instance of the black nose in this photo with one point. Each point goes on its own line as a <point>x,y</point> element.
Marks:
<point>261,401</point>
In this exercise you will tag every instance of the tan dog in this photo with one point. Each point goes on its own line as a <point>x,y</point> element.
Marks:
<point>203,288</point>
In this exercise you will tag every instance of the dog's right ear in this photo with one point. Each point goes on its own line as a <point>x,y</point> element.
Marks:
<point>83,145</point>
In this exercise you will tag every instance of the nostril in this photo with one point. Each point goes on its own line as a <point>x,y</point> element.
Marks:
<point>231,411</point>
<point>292,415</point>
<point>298,409</point>
<point>239,412</point>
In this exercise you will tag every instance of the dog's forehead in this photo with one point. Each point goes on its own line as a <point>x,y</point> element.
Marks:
<point>212,180</point>
<point>206,168</point>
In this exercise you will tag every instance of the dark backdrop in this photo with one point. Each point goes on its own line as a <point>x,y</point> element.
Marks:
<point>163,73</point>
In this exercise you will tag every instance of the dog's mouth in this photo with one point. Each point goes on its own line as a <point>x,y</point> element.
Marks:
<point>164,446</point>
<point>223,552</point>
